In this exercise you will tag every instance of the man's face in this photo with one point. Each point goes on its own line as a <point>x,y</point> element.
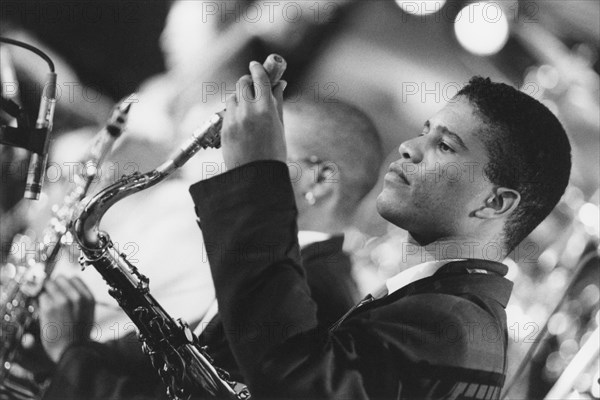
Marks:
<point>438,181</point>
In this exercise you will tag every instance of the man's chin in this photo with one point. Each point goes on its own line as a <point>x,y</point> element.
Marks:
<point>401,215</point>
<point>385,208</point>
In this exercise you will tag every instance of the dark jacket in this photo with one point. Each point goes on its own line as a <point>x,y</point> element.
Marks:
<point>440,337</point>
<point>329,274</point>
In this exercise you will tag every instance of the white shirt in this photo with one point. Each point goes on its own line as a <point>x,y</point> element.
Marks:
<point>410,275</point>
<point>309,237</point>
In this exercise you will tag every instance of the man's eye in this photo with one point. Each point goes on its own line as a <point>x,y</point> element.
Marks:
<point>445,148</point>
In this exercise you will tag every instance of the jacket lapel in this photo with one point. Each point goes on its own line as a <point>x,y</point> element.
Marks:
<point>480,277</point>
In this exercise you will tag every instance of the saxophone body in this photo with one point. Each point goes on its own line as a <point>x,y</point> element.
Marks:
<point>18,298</point>
<point>184,365</point>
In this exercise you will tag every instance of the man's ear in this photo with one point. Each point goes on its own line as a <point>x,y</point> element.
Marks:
<point>499,204</point>
<point>324,182</point>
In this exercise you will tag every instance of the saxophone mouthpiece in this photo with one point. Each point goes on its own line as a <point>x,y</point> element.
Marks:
<point>118,119</point>
<point>125,103</point>
<point>275,66</point>
<point>125,107</point>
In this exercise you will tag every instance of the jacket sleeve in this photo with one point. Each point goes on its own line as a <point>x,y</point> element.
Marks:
<point>248,218</point>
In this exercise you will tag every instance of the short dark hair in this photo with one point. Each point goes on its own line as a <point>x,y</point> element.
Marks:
<point>528,151</point>
<point>345,135</point>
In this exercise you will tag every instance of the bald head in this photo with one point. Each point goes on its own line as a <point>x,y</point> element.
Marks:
<point>343,138</point>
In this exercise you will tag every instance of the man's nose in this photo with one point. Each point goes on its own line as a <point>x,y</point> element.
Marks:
<point>411,150</point>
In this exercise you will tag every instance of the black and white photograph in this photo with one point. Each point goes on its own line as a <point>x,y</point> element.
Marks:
<point>299,199</point>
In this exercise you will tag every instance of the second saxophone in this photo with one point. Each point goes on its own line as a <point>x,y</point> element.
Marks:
<point>19,294</point>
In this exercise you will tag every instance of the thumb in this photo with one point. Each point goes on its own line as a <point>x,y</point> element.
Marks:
<point>278,95</point>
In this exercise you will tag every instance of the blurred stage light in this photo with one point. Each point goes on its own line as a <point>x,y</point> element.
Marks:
<point>554,365</point>
<point>568,349</point>
<point>558,324</point>
<point>590,295</point>
<point>482,28</point>
<point>548,259</point>
<point>548,76</point>
<point>589,214</point>
<point>421,7</point>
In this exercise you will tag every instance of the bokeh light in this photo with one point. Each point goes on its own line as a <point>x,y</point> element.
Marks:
<point>590,216</point>
<point>482,28</point>
<point>558,323</point>
<point>548,76</point>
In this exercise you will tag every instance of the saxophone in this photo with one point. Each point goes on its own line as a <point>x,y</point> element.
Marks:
<point>183,364</point>
<point>18,297</point>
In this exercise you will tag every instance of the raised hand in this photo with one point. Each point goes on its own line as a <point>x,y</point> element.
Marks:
<point>253,124</point>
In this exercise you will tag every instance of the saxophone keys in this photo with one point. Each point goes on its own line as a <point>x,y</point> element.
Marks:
<point>146,349</point>
<point>174,393</point>
<point>187,332</point>
<point>242,391</point>
<point>83,262</point>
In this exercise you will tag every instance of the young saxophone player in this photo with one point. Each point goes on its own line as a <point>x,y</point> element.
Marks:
<point>334,158</point>
<point>436,331</point>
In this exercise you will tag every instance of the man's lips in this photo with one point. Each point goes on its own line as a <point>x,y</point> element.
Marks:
<point>396,169</point>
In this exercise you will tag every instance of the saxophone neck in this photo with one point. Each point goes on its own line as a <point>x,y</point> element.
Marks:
<point>104,140</point>
<point>86,226</point>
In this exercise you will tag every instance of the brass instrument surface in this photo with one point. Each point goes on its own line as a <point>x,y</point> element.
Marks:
<point>181,362</point>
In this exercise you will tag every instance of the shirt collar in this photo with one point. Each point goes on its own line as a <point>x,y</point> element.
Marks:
<point>410,275</point>
<point>306,238</point>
